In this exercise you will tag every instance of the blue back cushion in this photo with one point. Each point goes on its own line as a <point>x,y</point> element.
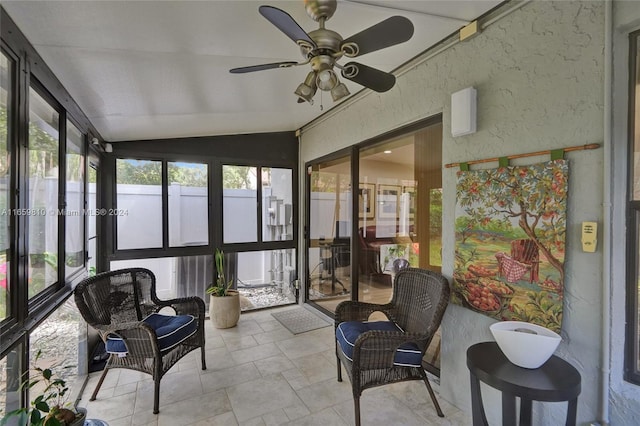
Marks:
<point>407,355</point>
<point>170,329</point>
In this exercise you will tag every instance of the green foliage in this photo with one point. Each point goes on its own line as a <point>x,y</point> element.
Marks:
<point>464,227</point>
<point>464,257</point>
<point>238,177</point>
<point>43,149</point>
<point>187,176</point>
<point>75,168</point>
<point>328,182</point>
<point>396,251</point>
<point>534,197</point>
<point>435,212</point>
<point>138,172</point>
<point>542,309</point>
<point>48,407</point>
<point>221,286</point>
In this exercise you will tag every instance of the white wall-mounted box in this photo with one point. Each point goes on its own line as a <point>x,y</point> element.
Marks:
<point>463,112</point>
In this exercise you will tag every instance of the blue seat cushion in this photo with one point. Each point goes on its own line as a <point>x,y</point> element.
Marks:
<point>407,355</point>
<point>170,329</point>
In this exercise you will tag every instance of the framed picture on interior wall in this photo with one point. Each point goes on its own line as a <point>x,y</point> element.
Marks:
<point>387,203</point>
<point>367,200</point>
<point>411,190</point>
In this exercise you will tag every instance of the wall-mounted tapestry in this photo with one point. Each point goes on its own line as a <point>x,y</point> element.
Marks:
<point>510,236</point>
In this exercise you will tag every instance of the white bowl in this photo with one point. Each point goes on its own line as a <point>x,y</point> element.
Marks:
<point>524,344</point>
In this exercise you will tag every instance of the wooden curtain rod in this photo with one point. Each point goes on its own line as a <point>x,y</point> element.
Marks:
<point>530,154</point>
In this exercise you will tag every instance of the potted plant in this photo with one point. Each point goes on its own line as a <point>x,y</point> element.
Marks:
<point>50,407</point>
<point>224,303</point>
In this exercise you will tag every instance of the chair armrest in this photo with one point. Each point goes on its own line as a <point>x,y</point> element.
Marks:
<point>185,306</point>
<point>139,338</point>
<point>376,349</point>
<point>350,310</point>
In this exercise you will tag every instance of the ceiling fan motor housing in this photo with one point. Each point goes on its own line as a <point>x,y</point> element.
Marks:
<point>327,43</point>
<point>320,9</point>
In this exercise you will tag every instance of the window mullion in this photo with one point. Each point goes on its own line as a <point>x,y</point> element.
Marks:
<point>165,205</point>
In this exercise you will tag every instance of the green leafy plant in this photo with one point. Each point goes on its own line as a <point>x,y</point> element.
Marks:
<point>221,285</point>
<point>396,251</point>
<point>50,407</point>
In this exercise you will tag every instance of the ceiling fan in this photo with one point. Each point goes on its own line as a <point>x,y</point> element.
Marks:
<point>322,48</point>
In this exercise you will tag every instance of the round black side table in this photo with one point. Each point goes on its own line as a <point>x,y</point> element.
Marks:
<point>556,380</point>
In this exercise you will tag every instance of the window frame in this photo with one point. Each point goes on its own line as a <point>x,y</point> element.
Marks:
<point>215,203</point>
<point>164,204</point>
<point>207,164</point>
<point>166,250</point>
<point>84,185</point>
<point>13,300</point>
<point>632,345</point>
<point>259,244</point>
<point>29,71</point>
<point>51,289</point>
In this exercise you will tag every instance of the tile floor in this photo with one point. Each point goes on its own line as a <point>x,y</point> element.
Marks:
<point>258,373</point>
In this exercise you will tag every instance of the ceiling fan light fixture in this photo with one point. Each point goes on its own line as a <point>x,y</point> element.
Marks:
<point>327,79</point>
<point>339,92</point>
<point>308,89</point>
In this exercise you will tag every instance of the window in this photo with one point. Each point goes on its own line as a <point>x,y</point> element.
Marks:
<point>240,196</point>
<point>188,204</point>
<point>42,222</point>
<point>10,372</point>
<point>264,278</point>
<point>74,216</point>
<point>329,244</point>
<point>92,222</point>
<point>58,338</point>
<point>42,204</point>
<point>150,208</point>
<point>632,356</point>
<point>6,70</point>
<point>277,206</point>
<point>139,198</point>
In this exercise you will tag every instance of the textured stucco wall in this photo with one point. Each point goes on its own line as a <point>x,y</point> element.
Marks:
<point>625,397</point>
<point>539,76</point>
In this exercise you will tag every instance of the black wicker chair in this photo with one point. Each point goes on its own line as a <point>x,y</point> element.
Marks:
<point>380,353</point>
<point>121,306</point>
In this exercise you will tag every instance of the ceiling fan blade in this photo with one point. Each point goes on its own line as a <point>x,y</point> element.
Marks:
<point>285,23</point>
<point>372,78</point>
<point>391,31</point>
<point>262,67</point>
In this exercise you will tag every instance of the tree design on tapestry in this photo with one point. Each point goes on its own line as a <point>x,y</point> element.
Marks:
<point>510,236</point>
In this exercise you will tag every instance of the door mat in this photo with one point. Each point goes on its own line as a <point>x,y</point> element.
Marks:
<point>300,320</point>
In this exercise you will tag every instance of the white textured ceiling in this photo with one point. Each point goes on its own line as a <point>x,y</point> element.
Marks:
<point>160,69</point>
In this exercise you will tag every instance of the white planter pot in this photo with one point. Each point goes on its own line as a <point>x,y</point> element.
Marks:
<point>224,312</point>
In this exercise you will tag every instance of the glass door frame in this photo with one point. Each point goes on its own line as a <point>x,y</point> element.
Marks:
<point>352,154</point>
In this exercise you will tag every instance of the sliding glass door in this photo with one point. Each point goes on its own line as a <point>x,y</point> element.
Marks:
<point>329,232</point>
<point>397,224</point>
<point>400,214</point>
